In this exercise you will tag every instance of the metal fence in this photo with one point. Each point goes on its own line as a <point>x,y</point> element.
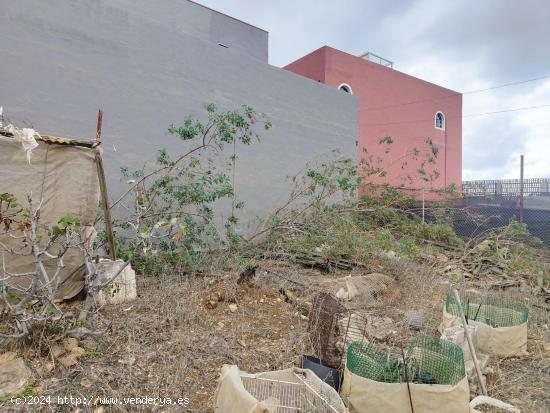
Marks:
<point>475,219</point>
<point>506,187</point>
<point>491,204</point>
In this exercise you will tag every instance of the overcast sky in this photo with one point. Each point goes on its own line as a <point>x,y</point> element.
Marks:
<point>463,45</point>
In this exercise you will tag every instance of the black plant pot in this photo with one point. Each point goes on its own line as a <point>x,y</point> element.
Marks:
<point>332,377</point>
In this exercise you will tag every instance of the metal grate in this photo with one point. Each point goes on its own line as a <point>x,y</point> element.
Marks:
<point>290,397</point>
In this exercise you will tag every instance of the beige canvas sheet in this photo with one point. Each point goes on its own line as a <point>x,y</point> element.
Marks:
<point>65,178</point>
<point>362,395</point>
<point>495,341</point>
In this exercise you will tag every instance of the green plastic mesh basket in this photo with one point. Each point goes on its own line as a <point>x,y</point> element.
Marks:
<point>368,361</point>
<point>494,310</point>
<point>434,361</point>
<point>429,360</point>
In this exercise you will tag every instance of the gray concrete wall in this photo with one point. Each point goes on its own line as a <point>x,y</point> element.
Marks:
<point>149,64</point>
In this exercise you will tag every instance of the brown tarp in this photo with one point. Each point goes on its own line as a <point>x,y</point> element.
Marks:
<point>65,178</point>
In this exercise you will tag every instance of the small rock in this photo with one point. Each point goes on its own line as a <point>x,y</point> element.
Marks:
<point>380,327</point>
<point>232,307</point>
<point>9,356</point>
<point>220,324</point>
<point>389,254</point>
<point>68,360</point>
<point>546,346</point>
<point>14,374</point>
<point>242,343</point>
<point>88,344</point>
<point>44,369</point>
<point>86,383</point>
<point>78,351</point>
<point>70,343</point>
<point>211,304</point>
<point>130,361</point>
<point>57,350</point>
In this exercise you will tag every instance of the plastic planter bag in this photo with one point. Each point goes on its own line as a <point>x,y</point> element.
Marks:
<point>374,381</point>
<point>501,322</point>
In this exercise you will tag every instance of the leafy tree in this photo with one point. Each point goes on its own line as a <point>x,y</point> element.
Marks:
<point>171,205</point>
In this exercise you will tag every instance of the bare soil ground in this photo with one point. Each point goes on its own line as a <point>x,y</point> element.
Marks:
<point>173,340</point>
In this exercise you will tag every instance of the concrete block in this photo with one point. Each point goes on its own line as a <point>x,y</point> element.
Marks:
<point>122,289</point>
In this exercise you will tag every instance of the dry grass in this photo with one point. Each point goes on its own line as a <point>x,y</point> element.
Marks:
<point>173,340</point>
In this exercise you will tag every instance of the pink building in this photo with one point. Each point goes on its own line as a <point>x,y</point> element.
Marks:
<point>423,120</point>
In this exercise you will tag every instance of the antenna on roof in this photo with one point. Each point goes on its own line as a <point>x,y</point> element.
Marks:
<point>377,59</point>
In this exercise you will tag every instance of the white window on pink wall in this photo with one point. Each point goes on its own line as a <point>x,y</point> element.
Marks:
<point>344,87</point>
<point>439,120</point>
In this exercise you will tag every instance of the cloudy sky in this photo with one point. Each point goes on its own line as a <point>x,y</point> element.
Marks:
<point>463,45</point>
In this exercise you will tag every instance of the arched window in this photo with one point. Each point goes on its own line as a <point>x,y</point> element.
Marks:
<point>439,120</point>
<point>344,87</point>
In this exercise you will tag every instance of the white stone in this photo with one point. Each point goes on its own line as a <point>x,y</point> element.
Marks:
<point>122,289</point>
<point>14,374</point>
<point>456,335</point>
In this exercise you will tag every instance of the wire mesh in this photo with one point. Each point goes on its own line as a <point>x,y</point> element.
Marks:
<point>431,360</point>
<point>476,216</point>
<point>290,397</point>
<point>494,309</point>
<point>322,327</point>
<point>332,327</point>
<point>428,360</point>
<point>371,362</point>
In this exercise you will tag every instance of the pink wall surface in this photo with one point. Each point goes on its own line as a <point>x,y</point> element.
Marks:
<point>386,109</point>
<point>311,65</point>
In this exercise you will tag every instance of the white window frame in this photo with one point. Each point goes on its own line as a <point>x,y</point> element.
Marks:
<point>443,120</point>
<point>346,86</point>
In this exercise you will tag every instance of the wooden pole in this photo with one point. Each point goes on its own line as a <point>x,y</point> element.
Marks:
<point>103,188</point>
<point>407,378</point>
<point>470,344</point>
<point>99,123</point>
<point>521,209</point>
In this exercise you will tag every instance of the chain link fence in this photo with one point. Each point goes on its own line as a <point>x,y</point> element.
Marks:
<point>492,204</point>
